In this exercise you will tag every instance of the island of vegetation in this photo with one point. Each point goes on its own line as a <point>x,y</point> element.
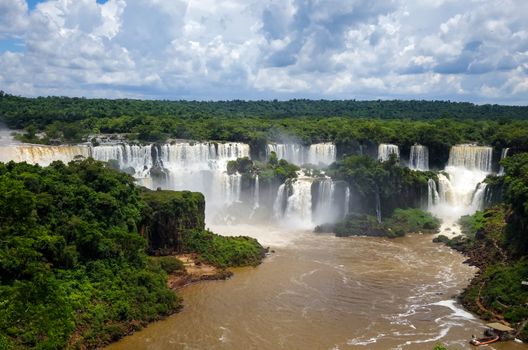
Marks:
<point>74,269</point>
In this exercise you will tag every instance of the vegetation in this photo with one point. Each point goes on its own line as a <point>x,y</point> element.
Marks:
<point>381,186</point>
<point>167,216</point>
<point>401,222</point>
<point>73,268</point>
<point>496,241</point>
<point>272,171</point>
<point>223,251</point>
<point>355,126</point>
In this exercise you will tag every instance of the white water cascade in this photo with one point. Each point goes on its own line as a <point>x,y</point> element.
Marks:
<point>419,158</point>
<point>199,166</point>
<point>460,187</point>
<point>325,209</point>
<point>320,154</point>
<point>385,150</point>
<point>504,154</point>
<point>299,208</point>
<point>347,203</point>
<point>42,155</point>
<point>256,194</point>
<point>433,197</point>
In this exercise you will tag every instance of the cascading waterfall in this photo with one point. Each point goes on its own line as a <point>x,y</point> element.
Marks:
<point>299,208</point>
<point>180,166</point>
<point>504,154</point>
<point>202,167</point>
<point>256,194</point>
<point>347,202</point>
<point>460,187</point>
<point>378,206</point>
<point>419,158</point>
<point>320,154</point>
<point>42,155</point>
<point>291,152</point>
<point>432,194</point>
<point>135,159</point>
<point>385,150</point>
<point>477,202</point>
<point>325,210</point>
<point>471,157</point>
<point>278,205</point>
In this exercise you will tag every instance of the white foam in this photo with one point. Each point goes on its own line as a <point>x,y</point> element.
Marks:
<point>457,311</point>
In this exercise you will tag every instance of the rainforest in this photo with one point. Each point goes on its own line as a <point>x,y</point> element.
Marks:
<point>318,217</point>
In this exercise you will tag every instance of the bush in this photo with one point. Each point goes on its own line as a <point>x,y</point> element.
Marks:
<point>170,264</point>
<point>223,251</point>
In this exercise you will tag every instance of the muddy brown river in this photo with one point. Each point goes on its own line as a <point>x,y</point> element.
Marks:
<point>322,292</point>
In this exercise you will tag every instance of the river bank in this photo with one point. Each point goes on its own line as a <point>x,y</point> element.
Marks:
<point>323,292</point>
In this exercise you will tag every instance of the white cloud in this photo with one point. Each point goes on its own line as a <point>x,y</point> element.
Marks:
<point>473,50</point>
<point>13,18</point>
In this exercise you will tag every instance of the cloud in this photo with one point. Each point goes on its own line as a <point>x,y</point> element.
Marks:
<point>212,49</point>
<point>13,18</point>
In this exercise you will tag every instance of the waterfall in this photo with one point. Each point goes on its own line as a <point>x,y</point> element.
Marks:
<point>320,154</point>
<point>460,188</point>
<point>325,210</point>
<point>278,205</point>
<point>504,154</point>
<point>133,159</point>
<point>299,207</point>
<point>477,202</point>
<point>291,152</point>
<point>385,150</point>
<point>42,155</point>
<point>347,203</point>
<point>432,194</point>
<point>198,166</point>
<point>378,206</point>
<point>419,158</point>
<point>256,193</point>
<point>471,157</point>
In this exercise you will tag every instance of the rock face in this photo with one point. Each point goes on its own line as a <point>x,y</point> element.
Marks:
<point>167,216</point>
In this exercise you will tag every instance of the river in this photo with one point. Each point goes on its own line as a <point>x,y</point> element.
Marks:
<point>322,292</point>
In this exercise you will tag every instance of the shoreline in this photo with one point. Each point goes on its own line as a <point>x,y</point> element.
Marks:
<point>195,271</point>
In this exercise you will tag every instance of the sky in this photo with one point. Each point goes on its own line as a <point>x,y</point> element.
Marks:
<point>471,50</point>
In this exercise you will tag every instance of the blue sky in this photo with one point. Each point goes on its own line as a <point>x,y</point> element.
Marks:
<point>475,50</point>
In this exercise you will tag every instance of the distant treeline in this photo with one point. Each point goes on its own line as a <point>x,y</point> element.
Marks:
<point>20,111</point>
<point>356,127</point>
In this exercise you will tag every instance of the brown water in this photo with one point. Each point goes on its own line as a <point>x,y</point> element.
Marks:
<point>322,292</point>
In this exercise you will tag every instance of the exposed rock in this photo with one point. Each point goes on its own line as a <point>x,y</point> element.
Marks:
<point>168,215</point>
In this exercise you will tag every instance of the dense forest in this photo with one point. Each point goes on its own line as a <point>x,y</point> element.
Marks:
<point>49,109</point>
<point>356,127</point>
<point>74,272</point>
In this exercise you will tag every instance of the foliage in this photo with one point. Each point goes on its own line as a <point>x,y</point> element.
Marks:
<point>470,224</point>
<point>169,264</point>
<point>271,173</point>
<point>383,184</point>
<point>401,222</point>
<point>72,266</point>
<point>440,346</point>
<point>167,215</point>
<point>413,220</point>
<point>353,125</point>
<point>516,195</point>
<point>223,251</point>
